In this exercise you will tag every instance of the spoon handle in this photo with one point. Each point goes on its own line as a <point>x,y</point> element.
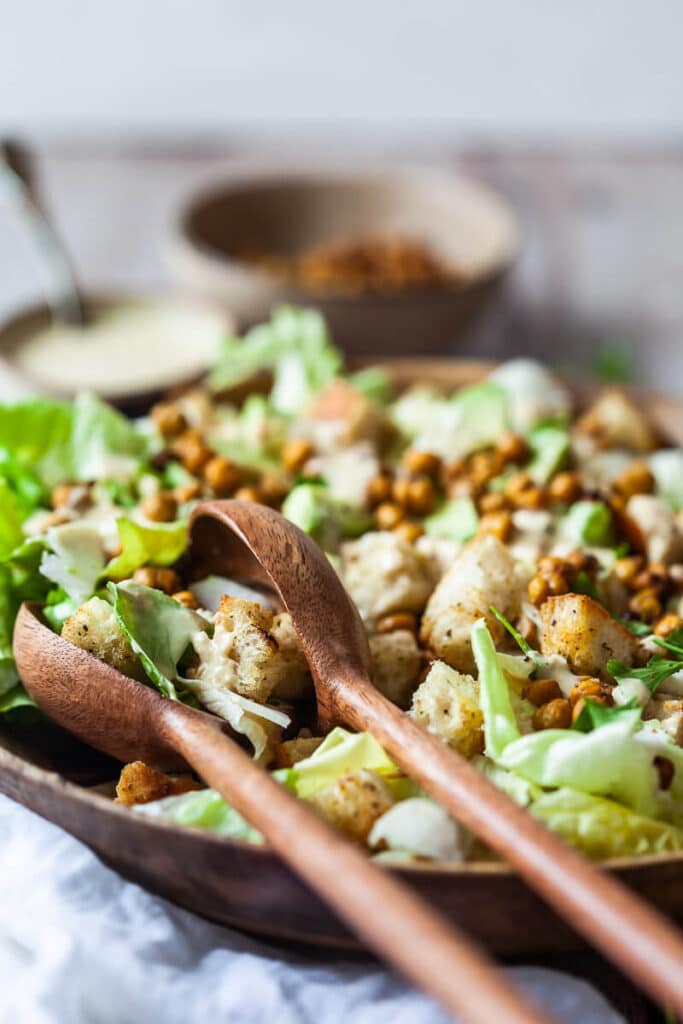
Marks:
<point>390,918</point>
<point>646,946</point>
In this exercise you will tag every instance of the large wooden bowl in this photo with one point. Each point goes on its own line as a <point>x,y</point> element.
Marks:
<point>248,887</point>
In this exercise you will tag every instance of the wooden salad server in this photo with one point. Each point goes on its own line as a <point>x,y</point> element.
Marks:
<point>236,538</point>
<point>129,720</point>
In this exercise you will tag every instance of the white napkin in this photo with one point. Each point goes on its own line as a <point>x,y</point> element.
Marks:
<point>79,945</point>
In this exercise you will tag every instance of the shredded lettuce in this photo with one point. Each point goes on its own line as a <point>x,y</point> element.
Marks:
<point>161,544</point>
<point>373,382</point>
<point>340,752</point>
<point>588,523</point>
<point>11,533</point>
<point>549,446</point>
<point>328,520</point>
<point>202,808</point>
<point>475,418</point>
<point>456,520</point>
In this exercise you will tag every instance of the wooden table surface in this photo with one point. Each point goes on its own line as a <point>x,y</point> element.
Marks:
<point>601,265</point>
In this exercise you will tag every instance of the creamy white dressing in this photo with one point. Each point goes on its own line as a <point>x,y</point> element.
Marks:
<point>631,689</point>
<point>126,349</point>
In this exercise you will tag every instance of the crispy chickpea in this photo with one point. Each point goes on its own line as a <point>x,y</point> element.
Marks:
<point>409,531</point>
<point>564,488</point>
<point>399,620</point>
<point>378,490</point>
<point>422,463</point>
<point>493,501</point>
<point>592,688</point>
<point>161,507</point>
<point>626,569</point>
<point>668,623</point>
<point>192,450</point>
<point>453,470</point>
<point>635,479</point>
<point>483,466</point>
<point>538,590</point>
<point>295,453</point>
<point>168,419</point>
<point>421,496</point>
<point>186,598</point>
<point>463,487</point>
<point>532,498</point>
<point>541,691</point>
<point>581,561</point>
<point>497,523</point>
<point>248,494</point>
<point>551,563</point>
<point>518,482</point>
<point>556,714</point>
<point>76,497</point>
<point>222,475</point>
<point>400,490</point>
<point>646,605</point>
<point>274,487</point>
<point>557,584</point>
<point>655,577</point>
<point>388,515</point>
<point>512,447</point>
<point>160,579</point>
<point>187,492</point>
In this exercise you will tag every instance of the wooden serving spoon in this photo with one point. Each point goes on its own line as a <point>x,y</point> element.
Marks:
<point>129,720</point>
<point>229,537</point>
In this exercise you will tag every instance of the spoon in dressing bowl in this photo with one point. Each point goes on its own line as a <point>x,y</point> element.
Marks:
<point>131,721</point>
<point>236,538</point>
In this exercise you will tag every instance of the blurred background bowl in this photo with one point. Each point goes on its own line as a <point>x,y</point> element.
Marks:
<point>467,228</point>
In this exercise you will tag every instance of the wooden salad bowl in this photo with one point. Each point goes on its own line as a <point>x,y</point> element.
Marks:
<point>248,887</point>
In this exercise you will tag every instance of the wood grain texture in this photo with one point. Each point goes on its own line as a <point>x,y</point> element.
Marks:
<point>620,925</point>
<point>127,719</point>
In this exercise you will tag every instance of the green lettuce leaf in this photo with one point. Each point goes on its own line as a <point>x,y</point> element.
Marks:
<point>475,418</point>
<point>37,434</point>
<point>340,752</point>
<point>75,560</point>
<point>158,629</point>
<point>588,523</point>
<point>373,382</point>
<point>602,828</point>
<point>202,808</point>
<point>11,533</point>
<point>500,724</point>
<point>549,449</point>
<point>295,345</point>
<point>159,545</point>
<point>105,444</point>
<point>456,520</point>
<point>328,520</point>
<point>14,699</point>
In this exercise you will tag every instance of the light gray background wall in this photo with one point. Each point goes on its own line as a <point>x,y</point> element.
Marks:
<point>483,67</point>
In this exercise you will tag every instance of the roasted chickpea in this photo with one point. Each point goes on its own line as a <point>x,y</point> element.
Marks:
<point>626,569</point>
<point>160,579</point>
<point>379,490</point>
<point>421,496</point>
<point>655,577</point>
<point>564,488</point>
<point>557,584</point>
<point>396,621</point>
<point>400,490</point>
<point>187,492</point>
<point>512,448</point>
<point>532,498</point>
<point>592,688</point>
<point>409,531</point>
<point>646,605</point>
<point>635,479</point>
<point>192,450</point>
<point>295,453</point>
<point>556,714</point>
<point>541,691</point>
<point>667,624</point>
<point>75,497</point>
<point>186,598</point>
<point>422,463</point>
<point>248,494</point>
<point>274,487</point>
<point>161,507</point>
<point>581,561</point>
<point>497,523</point>
<point>463,487</point>
<point>483,466</point>
<point>222,475</point>
<point>551,563</point>
<point>538,590</point>
<point>168,419</point>
<point>388,515</point>
<point>493,501</point>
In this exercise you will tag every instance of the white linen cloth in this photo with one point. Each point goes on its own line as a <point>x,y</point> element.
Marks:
<point>80,945</point>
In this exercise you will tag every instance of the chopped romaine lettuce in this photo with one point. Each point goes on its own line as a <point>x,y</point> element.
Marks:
<point>202,808</point>
<point>11,533</point>
<point>37,433</point>
<point>475,418</point>
<point>456,520</point>
<point>105,444</point>
<point>340,752</point>
<point>588,523</point>
<point>75,560</point>
<point>549,449</point>
<point>373,382</point>
<point>500,724</point>
<point>314,510</point>
<point>161,544</point>
<point>667,469</point>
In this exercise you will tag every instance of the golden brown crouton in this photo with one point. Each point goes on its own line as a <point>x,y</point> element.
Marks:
<point>658,526</point>
<point>384,573</point>
<point>354,802</point>
<point>578,628</point>
<point>294,680</point>
<point>447,704</point>
<point>93,628</point>
<point>291,752</point>
<point>483,574</point>
<point>140,784</point>
<point>668,711</point>
<point>615,421</point>
<point>396,664</point>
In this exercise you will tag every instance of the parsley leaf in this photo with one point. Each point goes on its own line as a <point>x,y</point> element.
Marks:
<point>636,627</point>
<point>594,715</point>
<point>653,674</point>
<point>673,642</point>
<point>514,633</point>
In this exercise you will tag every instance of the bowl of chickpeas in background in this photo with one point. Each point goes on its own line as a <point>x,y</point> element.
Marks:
<point>398,262</point>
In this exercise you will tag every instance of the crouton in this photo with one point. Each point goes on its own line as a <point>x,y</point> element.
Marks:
<point>658,525</point>
<point>615,421</point>
<point>252,652</point>
<point>93,628</point>
<point>354,802</point>
<point>447,704</point>
<point>140,784</point>
<point>384,573</point>
<point>580,630</point>
<point>356,417</point>
<point>396,664</point>
<point>668,711</point>
<point>483,574</point>
<point>291,752</point>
